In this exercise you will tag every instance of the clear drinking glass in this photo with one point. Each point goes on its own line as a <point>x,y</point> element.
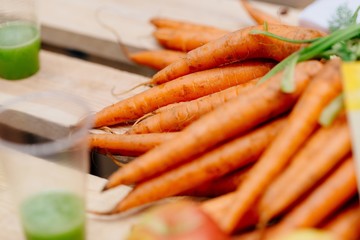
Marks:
<point>44,148</point>
<point>19,39</point>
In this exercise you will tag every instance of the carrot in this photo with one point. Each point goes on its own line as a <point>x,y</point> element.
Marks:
<point>259,16</point>
<point>220,186</point>
<point>177,116</point>
<point>185,88</point>
<point>185,40</point>
<point>345,225</point>
<point>214,164</point>
<point>156,59</point>
<point>326,198</point>
<point>233,118</point>
<point>179,24</point>
<point>127,143</point>
<point>302,121</point>
<point>216,208</point>
<point>237,46</point>
<point>326,148</point>
<point>339,187</point>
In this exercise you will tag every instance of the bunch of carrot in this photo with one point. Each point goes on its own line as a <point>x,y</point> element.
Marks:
<point>209,128</point>
<point>176,37</point>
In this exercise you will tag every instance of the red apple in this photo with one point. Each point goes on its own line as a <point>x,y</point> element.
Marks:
<point>181,220</point>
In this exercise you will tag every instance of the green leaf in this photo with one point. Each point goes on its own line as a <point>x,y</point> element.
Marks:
<point>287,81</point>
<point>341,19</point>
<point>354,16</point>
<point>331,111</point>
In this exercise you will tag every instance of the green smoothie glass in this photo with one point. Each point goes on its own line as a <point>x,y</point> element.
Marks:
<point>44,149</point>
<point>19,39</point>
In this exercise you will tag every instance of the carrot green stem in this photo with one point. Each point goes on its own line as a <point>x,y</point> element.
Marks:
<point>269,34</point>
<point>315,49</point>
<point>331,111</point>
<point>287,82</point>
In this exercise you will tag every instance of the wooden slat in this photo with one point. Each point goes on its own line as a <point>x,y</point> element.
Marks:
<point>72,23</point>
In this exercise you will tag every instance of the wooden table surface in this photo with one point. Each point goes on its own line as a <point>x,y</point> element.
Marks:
<point>73,24</point>
<point>93,83</point>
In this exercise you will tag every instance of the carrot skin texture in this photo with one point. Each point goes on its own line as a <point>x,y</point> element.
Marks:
<point>326,198</point>
<point>156,59</point>
<point>177,116</point>
<point>160,22</point>
<point>237,46</point>
<point>122,143</point>
<point>234,118</point>
<point>223,185</point>
<point>183,89</point>
<point>216,163</point>
<point>345,225</point>
<point>339,187</point>
<point>307,167</point>
<point>185,40</point>
<point>216,208</point>
<point>259,16</point>
<point>302,122</point>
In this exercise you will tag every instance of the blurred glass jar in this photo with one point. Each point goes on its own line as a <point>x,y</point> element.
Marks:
<point>19,39</point>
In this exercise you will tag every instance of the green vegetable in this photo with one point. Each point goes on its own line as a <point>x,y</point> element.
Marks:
<point>343,42</point>
<point>331,111</point>
<point>288,83</point>
<point>342,18</point>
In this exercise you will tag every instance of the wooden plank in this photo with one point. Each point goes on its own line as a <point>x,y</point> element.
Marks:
<point>93,83</point>
<point>73,24</point>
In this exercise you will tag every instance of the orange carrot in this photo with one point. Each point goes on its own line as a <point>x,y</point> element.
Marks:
<point>177,116</point>
<point>186,25</point>
<point>156,59</point>
<point>185,40</point>
<point>302,122</point>
<point>237,46</point>
<point>259,16</point>
<point>345,225</point>
<point>233,118</point>
<point>220,186</point>
<point>339,187</point>
<point>216,208</point>
<point>185,88</point>
<point>129,143</point>
<point>324,200</point>
<point>308,166</point>
<point>212,165</point>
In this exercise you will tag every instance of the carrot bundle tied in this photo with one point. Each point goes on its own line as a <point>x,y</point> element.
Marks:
<point>233,118</point>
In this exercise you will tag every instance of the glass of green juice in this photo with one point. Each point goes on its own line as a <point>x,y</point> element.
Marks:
<point>44,149</point>
<point>19,39</point>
